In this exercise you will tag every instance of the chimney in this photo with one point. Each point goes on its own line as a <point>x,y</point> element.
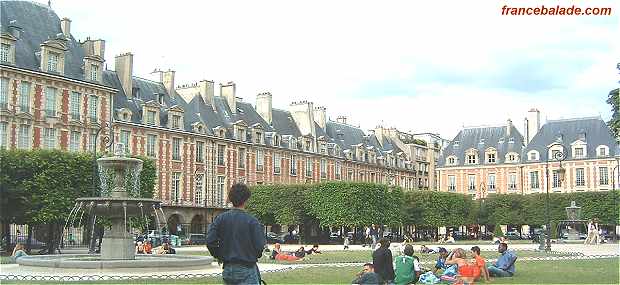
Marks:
<point>341,119</point>
<point>228,92</point>
<point>94,47</point>
<point>320,116</point>
<point>303,114</point>
<point>65,26</point>
<point>264,106</point>
<point>207,91</point>
<point>532,124</point>
<point>167,79</point>
<point>123,66</point>
<point>509,128</point>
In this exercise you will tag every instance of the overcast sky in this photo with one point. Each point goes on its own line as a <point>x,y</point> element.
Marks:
<point>421,66</point>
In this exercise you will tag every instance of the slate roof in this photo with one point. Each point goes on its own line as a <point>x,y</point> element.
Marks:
<point>39,23</point>
<point>480,139</point>
<point>570,130</point>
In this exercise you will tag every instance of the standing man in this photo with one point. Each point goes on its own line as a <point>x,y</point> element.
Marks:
<point>237,239</point>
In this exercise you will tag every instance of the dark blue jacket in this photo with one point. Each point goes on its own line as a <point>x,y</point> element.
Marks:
<point>236,237</point>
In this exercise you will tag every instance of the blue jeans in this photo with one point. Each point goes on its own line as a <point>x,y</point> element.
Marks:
<point>240,274</point>
<point>497,272</point>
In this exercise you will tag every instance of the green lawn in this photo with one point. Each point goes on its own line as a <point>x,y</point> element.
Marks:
<point>600,271</point>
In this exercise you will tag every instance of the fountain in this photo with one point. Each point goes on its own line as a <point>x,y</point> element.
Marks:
<point>573,223</point>
<point>120,200</point>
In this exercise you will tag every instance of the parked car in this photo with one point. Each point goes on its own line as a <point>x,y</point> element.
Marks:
<point>460,236</point>
<point>513,236</point>
<point>274,238</point>
<point>195,239</point>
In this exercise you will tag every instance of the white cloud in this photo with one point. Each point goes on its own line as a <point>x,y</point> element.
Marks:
<point>421,66</point>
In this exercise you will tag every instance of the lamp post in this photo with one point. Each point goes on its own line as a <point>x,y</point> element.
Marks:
<point>558,156</point>
<point>613,185</point>
<point>481,196</point>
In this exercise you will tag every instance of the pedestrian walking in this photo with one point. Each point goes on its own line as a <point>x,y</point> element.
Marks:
<point>236,239</point>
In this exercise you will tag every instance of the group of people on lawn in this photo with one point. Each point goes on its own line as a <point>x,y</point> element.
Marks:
<point>456,267</point>
<point>278,254</point>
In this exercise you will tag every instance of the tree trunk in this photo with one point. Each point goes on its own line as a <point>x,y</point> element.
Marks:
<point>29,240</point>
<point>50,238</point>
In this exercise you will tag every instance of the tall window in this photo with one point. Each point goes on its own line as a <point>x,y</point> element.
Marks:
<point>324,168</point>
<point>24,97</point>
<point>93,107</point>
<point>50,101</point>
<point>451,183</point>
<point>309,167</point>
<point>23,138</point>
<point>198,193</point>
<point>176,122</point>
<point>49,138</point>
<point>472,182</point>
<point>491,157</point>
<point>258,137</point>
<point>603,174</point>
<point>176,187</point>
<point>52,61</point>
<point>241,158</point>
<point>125,139</point>
<point>293,164</point>
<point>4,93</point>
<point>75,105</point>
<point>512,181</point>
<point>94,70</point>
<point>277,163</point>
<point>200,151</point>
<point>219,195</point>
<point>260,160</point>
<point>491,182</point>
<point>580,179</point>
<point>150,117</point>
<point>556,179</point>
<point>176,148</point>
<point>534,182</point>
<point>74,141</point>
<point>92,139</point>
<point>4,52</point>
<point>338,170</point>
<point>221,149</point>
<point>4,126</point>
<point>240,134</point>
<point>151,140</point>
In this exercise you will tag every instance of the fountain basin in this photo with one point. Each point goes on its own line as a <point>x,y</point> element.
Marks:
<point>115,206</point>
<point>88,261</point>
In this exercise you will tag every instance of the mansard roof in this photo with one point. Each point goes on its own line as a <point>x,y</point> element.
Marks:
<point>480,139</point>
<point>591,129</point>
<point>39,24</point>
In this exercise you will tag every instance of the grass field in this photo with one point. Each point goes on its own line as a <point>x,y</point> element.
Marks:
<point>599,271</point>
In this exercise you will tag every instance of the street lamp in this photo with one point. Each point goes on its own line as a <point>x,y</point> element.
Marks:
<point>557,156</point>
<point>481,196</point>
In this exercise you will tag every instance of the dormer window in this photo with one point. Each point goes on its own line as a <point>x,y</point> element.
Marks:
<point>533,155</point>
<point>160,99</point>
<point>602,150</point>
<point>94,72</point>
<point>491,155</point>
<point>5,49</point>
<point>471,156</point>
<point>222,133</point>
<point>579,152</point>
<point>293,143</point>
<point>258,137</point>
<point>511,140</point>
<point>124,114</point>
<point>240,134</point>
<point>176,121</point>
<point>52,61</point>
<point>150,117</point>
<point>512,157</point>
<point>456,144</point>
<point>451,160</point>
<point>276,140</point>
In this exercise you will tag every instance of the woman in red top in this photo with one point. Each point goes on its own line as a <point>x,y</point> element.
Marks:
<point>280,255</point>
<point>468,271</point>
<point>481,263</point>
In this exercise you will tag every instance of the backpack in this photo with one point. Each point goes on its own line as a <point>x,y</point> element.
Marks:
<point>403,269</point>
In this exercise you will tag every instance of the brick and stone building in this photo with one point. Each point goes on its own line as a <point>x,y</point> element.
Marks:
<point>57,93</point>
<point>485,160</point>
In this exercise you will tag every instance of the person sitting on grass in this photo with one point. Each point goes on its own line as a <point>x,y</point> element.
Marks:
<point>282,255</point>
<point>314,249</point>
<point>140,248</point>
<point>450,239</point>
<point>301,252</point>
<point>468,271</point>
<point>148,247</point>
<point>18,251</point>
<point>441,260</point>
<point>481,263</point>
<point>505,264</point>
<point>407,267</point>
<point>367,276</point>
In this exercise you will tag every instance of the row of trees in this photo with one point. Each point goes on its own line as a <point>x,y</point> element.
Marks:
<point>359,204</point>
<point>39,187</point>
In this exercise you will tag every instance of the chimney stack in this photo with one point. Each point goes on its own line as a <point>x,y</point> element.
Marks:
<point>264,107</point>
<point>532,124</point>
<point>123,66</point>
<point>303,114</point>
<point>65,26</point>
<point>509,128</point>
<point>94,47</point>
<point>320,116</point>
<point>228,91</point>
<point>167,79</point>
